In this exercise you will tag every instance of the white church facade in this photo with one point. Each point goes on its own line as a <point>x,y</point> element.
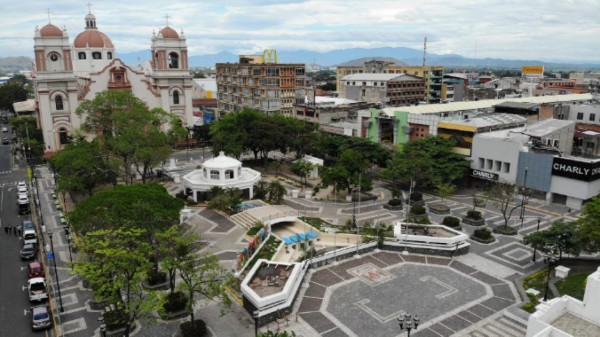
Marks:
<point>68,73</point>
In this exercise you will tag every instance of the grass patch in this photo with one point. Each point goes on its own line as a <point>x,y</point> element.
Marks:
<point>573,285</point>
<point>252,231</point>
<point>536,281</point>
<point>266,252</point>
<point>315,222</point>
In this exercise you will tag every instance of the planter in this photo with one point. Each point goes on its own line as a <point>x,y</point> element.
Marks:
<point>416,203</point>
<point>158,286</point>
<point>439,209</point>
<point>97,305</point>
<point>473,222</point>
<point>120,332</point>
<point>505,230</point>
<point>393,208</point>
<point>487,241</point>
<point>169,316</point>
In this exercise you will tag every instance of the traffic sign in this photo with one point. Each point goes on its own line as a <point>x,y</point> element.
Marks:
<point>50,256</point>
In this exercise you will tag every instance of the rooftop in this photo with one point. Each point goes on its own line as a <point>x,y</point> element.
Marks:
<point>487,120</point>
<point>270,278</point>
<point>377,77</point>
<point>576,326</point>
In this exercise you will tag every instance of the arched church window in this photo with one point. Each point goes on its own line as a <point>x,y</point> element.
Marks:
<point>175,97</point>
<point>97,55</point>
<point>58,100</point>
<point>109,55</point>
<point>173,61</point>
<point>81,55</point>
<point>63,136</point>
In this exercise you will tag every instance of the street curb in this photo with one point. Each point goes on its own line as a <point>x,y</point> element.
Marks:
<point>235,297</point>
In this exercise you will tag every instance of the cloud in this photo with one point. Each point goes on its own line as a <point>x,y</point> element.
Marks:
<point>535,29</point>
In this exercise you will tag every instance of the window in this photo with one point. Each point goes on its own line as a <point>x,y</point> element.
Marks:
<point>506,167</point>
<point>63,136</point>
<point>592,117</point>
<point>58,101</point>
<point>81,55</point>
<point>214,175</point>
<point>109,55</point>
<point>497,165</point>
<point>228,174</point>
<point>173,61</point>
<point>579,116</point>
<point>175,97</point>
<point>204,173</point>
<point>481,163</point>
<point>97,55</point>
<point>489,163</point>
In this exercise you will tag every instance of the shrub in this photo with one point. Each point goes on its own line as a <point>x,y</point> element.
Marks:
<point>115,319</point>
<point>416,196</point>
<point>483,234</point>
<point>475,215</point>
<point>395,202</point>
<point>155,277</point>
<point>175,302</point>
<point>451,221</point>
<point>417,210</point>
<point>195,329</point>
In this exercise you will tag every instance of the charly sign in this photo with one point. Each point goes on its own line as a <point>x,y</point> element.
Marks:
<point>484,175</point>
<point>579,170</point>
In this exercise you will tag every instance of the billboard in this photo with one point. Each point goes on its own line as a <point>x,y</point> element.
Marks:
<point>579,170</point>
<point>532,71</point>
<point>484,175</point>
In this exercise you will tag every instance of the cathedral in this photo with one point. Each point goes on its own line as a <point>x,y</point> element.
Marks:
<point>67,73</point>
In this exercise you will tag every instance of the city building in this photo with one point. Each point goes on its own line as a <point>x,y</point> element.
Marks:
<point>433,76</point>
<point>67,73</point>
<point>454,85</point>
<point>260,82</point>
<point>204,99</point>
<point>386,89</point>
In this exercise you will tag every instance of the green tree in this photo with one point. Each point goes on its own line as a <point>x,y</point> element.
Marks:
<point>444,190</point>
<point>115,267</point>
<point>173,246</point>
<point>561,238</point>
<point>277,334</point>
<point>503,196</point>
<point>12,92</point>
<point>589,225</point>
<point>302,169</point>
<point>276,192</point>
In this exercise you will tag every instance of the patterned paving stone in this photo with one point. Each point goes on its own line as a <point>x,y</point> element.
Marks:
<point>497,303</point>
<point>326,277</point>
<point>485,278</point>
<point>462,267</point>
<point>469,316</point>
<point>441,329</point>
<point>388,258</point>
<point>318,321</point>
<point>503,291</point>
<point>426,333</point>
<point>374,261</point>
<point>455,323</point>
<point>227,256</point>
<point>414,258</point>
<point>438,260</point>
<point>315,290</point>
<point>310,304</point>
<point>335,333</point>
<point>481,311</point>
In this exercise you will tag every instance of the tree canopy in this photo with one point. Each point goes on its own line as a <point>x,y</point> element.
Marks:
<point>589,225</point>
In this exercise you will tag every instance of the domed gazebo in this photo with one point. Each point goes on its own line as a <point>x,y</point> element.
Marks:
<point>222,171</point>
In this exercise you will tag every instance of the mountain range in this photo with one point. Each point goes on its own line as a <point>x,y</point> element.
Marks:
<point>335,57</point>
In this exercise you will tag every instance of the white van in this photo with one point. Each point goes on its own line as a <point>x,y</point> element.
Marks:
<point>29,236</point>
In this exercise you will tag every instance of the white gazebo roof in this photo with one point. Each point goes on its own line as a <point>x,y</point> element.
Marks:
<point>221,162</point>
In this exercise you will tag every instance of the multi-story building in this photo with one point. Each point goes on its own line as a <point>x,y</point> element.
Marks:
<point>387,89</point>
<point>259,82</point>
<point>432,75</point>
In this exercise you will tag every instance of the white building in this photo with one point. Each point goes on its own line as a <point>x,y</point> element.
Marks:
<point>66,74</point>
<point>224,172</point>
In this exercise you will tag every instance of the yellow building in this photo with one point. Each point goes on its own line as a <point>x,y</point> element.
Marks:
<point>433,76</point>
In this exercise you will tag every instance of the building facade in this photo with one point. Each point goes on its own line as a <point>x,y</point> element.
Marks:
<point>260,83</point>
<point>386,89</point>
<point>66,74</point>
<point>432,75</point>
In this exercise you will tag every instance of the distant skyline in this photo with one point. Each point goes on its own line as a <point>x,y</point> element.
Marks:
<point>554,31</point>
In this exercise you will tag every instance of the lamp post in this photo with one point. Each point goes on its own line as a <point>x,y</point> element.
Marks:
<point>187,143</point>
<point>551,260</point>
<point>256,318</point>
<point>524,193</point>
<point>408,323</point>
<point>68,235</point>
<point>538,229</point>
<point>56,273</point>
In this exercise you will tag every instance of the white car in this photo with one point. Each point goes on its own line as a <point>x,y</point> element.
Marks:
<point>22,199</point>
<point>4,129</point>
<point>22,184</point>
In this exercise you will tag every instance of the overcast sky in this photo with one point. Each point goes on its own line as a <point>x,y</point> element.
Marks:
<point>555,30</point>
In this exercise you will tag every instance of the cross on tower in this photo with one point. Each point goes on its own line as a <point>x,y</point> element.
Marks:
<point>167,17</point>
<point>89,4</point>
<point>48,12</point>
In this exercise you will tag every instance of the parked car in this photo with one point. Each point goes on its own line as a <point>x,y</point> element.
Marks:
<point>37,290</point>
<point>5,129</point>
<point>29,251</point>
<point>35,269</point>
<point>5,140</point>
<point>28,225</point>
<point>29,236</point>
<point>21,184</point>
<point>40,318</point>
<point>22,199</point>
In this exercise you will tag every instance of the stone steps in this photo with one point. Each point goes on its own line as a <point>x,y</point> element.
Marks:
<point>501,327</point>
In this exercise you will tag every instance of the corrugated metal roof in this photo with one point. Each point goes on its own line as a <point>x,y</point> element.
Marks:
<point>484,104</point>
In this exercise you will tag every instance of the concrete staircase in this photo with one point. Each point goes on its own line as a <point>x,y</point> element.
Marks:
<point>244,219</point>
<point>503,326</point>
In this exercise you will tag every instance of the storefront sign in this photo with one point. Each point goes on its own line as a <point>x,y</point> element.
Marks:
<point>576,169</point>
<point>484,175</point>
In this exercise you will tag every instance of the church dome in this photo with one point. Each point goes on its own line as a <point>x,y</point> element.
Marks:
<point>221,162</point>
<point>168,33</point>
<point>92,38</point>
<point>51,30</point>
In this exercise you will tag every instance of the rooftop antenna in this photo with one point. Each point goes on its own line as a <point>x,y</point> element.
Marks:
<point>48,12</point>
<point>424,51</point>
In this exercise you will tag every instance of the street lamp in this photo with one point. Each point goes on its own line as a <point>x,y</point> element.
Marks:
<point>190,133</point>
<point>535,248</point>
<point>551,260</point>
<point>56,273</point>
<point>408,323</point>
<point>68,235</point>
<point>524,193</point>
<point>256,318</point>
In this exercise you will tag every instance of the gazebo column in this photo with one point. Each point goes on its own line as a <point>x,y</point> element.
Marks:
<point>251,189</point>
